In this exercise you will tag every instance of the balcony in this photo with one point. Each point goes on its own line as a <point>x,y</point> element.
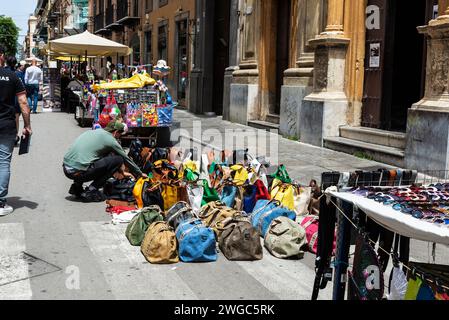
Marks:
<point>110,20</point>
<point>99,24</point>
<point>128,12</point>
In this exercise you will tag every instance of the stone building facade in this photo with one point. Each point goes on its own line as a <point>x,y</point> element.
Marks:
<point>351,75</point>
<point>154,29</point>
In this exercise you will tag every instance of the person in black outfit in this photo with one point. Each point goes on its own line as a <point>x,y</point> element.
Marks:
<point>10,88</point>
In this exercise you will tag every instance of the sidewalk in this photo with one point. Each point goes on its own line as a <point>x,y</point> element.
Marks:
<point>304,162</point>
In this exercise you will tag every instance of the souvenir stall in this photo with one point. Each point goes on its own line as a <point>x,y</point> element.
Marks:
<point>387,208</point>
<point>144,104</point>
<point>83,46</point>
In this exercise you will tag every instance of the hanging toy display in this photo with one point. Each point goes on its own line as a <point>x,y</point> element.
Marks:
<point>133,115</point>
<point>149,115</point>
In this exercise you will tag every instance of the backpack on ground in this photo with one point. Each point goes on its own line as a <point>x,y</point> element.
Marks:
<point>239,240</point>
<point>160,245</point>
<point>135,231</point>
<point>196,242</point>
<point>285,238</point>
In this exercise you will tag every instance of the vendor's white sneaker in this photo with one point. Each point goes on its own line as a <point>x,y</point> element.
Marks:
<point>5,209</point>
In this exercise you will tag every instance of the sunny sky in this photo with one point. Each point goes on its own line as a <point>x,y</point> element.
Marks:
<point>19,10</point>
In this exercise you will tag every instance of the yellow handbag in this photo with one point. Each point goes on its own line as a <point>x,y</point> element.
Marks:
<point>284,193</point>
<point>171,195</point>
<point>241,175</point>
<point>138,190</point>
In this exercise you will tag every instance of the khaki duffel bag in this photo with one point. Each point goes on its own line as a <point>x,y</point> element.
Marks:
<point>215,212</point>
<point>160,245</point>
<point>285,238</point>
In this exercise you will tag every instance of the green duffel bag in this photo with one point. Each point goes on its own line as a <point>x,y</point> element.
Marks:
<point>285,238</point>
<point>135,232</point>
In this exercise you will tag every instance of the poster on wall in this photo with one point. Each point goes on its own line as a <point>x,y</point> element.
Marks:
<point>374,55</point>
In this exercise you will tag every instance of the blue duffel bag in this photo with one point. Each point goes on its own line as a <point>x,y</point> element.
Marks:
<point>266,211</point>
<point>196,242</point>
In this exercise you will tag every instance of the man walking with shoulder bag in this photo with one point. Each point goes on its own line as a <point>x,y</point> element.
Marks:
<point>10,88</point>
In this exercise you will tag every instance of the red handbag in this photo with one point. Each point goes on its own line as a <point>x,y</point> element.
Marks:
<point>262,191</point>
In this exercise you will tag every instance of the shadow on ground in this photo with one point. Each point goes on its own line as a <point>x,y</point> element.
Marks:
<point>17,203</point>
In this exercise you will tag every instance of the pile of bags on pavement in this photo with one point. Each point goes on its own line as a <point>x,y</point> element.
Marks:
<point>185,207</point>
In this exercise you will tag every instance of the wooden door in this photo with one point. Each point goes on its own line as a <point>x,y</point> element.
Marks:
<point>375,57</point>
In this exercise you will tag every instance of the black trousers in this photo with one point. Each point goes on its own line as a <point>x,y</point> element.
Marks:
<point>98,172</point>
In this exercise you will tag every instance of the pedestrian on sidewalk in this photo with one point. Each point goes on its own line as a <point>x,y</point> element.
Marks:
<point>10,88</point>
<point>33,76</point>
<point>95,156</point>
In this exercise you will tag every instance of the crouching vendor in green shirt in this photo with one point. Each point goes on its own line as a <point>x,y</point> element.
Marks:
<point>95,156</point>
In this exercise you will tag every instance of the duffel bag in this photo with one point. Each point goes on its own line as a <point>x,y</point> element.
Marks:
<point>239,240</point>
<point>196,242</point>
<point>160,245</point>
<point>215,212</point>
<point>285,238</point>
<point>266,211</point>
<point>135,231</point>
<point>178,214</point>
<point>311,223</point>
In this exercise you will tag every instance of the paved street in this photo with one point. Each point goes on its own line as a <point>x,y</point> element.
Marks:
<point>49,239</point>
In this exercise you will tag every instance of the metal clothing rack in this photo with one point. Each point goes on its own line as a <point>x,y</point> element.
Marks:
<point>345,218</point>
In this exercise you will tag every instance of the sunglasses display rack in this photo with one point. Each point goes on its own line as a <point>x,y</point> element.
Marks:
<point>366,200</point>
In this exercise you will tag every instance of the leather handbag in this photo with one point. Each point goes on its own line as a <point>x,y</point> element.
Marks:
<point>249,198</point>
<point>196,242</point>
<point>178,214</point>
<point>171,194</point>
<point>285,238</point>
<point>215,212</point>
<point>136,229</point>
<point>121,190</point>
<point>210,194</point>
<point>284,193</point>
<point>228,195</point>
<point>135,150</point>
<point>266,211</point>
<point>239,240</point>
<point>138,191</point>
<point>160,245</point>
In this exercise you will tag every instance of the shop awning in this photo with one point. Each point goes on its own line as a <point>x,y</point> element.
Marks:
<point>135,82</point>
<point>87,43</point>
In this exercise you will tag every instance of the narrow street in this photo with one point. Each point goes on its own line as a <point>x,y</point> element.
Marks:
<point>50,240</point>
<point>68,237</point>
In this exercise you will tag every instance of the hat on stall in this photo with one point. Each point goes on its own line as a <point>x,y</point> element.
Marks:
<point>116,126</point>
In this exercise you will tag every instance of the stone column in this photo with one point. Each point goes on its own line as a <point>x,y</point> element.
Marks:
<point>335,16</point>
<point>324,110</point>
<point>307,22</point>
<point>428,120</point>
<point>245,78</point>
<point>233,57</point>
